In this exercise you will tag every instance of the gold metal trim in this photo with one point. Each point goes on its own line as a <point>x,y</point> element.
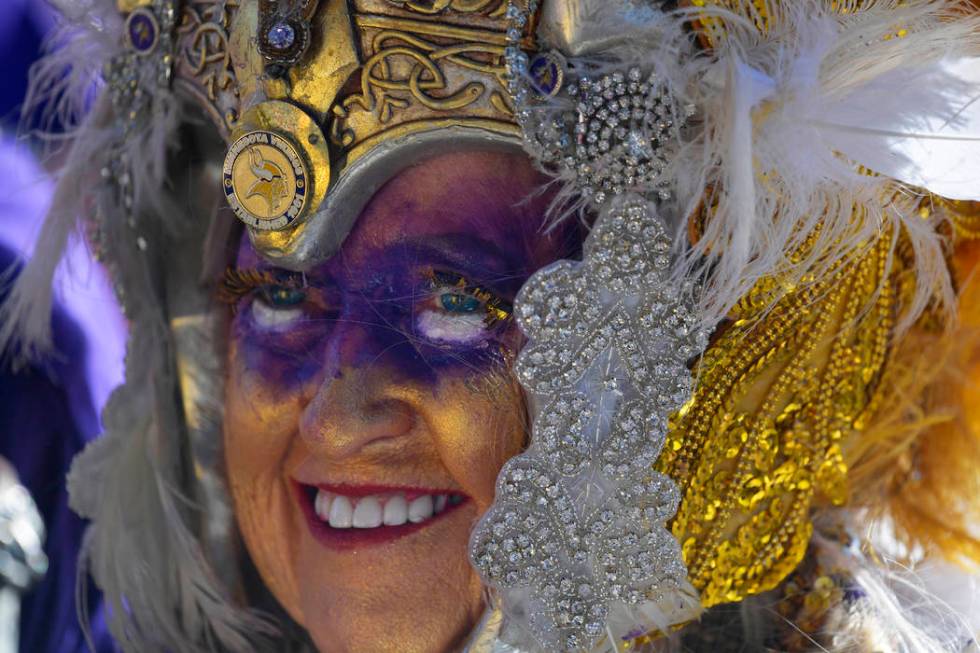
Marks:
<point>432,29</point>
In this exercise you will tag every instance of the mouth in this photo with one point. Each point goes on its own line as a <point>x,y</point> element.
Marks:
<point>345,517</point>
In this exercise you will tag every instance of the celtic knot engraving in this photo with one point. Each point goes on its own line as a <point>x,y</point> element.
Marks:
<point>491,8</point>
<point>406,68</point>
<point>204,55</point>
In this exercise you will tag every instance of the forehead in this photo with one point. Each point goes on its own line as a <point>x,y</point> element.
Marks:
<point>489,197</point>
<point>487,193</point>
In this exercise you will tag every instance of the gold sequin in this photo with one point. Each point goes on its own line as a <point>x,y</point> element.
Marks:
<point>759,443</point>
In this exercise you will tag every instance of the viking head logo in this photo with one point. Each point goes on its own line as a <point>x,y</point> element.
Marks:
<point>269,182</point>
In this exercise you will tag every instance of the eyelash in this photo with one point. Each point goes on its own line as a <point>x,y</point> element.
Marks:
<point>443,286</point>
<point>496,309</point>
<point>238,284</point>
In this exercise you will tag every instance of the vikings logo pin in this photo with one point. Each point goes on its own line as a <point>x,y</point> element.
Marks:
<point>265,180</point>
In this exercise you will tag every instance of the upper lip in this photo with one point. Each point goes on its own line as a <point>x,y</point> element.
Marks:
<point>367,489</point>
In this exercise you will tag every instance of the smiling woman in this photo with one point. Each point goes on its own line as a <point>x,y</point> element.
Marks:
<point>553,325</point>
<point>370,403</point>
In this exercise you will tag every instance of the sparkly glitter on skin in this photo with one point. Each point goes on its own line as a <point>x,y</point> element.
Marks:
<point>351,397</point>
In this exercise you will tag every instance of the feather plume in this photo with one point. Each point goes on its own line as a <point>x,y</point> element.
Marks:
<point>826,98</point>
<point>896,612</point>
<point>812,136</point>
<point>25,318</point>
<point>160,590</point>
<point>918,459</point>
<point>56,109</point>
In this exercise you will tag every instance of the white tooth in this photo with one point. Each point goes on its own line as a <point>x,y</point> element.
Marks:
<point>396,511</point>
<point>440,503</point>
<point>341,512</point>
<point>322,505</point>
<point>367,513</point>
<point>420,509</point>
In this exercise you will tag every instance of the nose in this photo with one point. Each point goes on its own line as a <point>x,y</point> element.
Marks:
<point>360,399</point>
<point>352,412</point>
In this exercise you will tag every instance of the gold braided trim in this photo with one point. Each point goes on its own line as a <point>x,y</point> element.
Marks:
<point>964,215</point>
<point>760,441</point>
<point>762,13</point>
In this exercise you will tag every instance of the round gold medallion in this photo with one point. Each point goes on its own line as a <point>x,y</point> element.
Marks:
<point>265,180</point>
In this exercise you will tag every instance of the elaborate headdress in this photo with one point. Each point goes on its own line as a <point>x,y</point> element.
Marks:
<point>759,171</point>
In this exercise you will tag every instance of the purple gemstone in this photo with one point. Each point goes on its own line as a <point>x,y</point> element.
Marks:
<point>281,36</point>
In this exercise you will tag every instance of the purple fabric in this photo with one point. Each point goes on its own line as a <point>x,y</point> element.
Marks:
<point>50,410</point>
<point>45,418</point>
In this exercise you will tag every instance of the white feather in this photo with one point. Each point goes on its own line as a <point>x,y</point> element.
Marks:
<point>774,151</point>
<point>802,92</point>
<point>884,128</point>
<point>896,611</point>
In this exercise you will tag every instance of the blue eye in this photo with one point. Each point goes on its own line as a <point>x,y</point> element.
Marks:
<point>283,296</point>
<point>457,312</point>
<point>458,303</point>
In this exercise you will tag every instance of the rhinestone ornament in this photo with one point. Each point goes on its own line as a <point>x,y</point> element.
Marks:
<point>606,132</point>
<point>281,36</point>
<point>577,531</point>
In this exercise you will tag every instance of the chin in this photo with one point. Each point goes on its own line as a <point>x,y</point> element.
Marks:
<point>403,587</point>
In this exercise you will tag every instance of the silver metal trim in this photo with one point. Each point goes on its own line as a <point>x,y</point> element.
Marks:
<point>327,228</point>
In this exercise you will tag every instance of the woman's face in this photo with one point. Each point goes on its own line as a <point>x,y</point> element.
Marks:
<point>369,403</point>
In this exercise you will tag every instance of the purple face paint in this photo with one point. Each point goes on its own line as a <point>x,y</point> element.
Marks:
<point>422,284</point>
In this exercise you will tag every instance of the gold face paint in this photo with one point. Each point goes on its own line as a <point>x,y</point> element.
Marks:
<point>417,593</point>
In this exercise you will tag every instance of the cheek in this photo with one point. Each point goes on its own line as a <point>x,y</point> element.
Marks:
<point>283,360</point>
<point>260,415</point>
<point>259,424</point>
<point>480,424</point>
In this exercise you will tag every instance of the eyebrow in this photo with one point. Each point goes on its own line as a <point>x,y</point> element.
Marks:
<point>472,254</point>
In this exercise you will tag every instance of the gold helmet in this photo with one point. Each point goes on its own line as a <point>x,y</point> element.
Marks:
<point>340,96</point>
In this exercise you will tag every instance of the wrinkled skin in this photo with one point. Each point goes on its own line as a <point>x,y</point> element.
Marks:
<point>360,390</point>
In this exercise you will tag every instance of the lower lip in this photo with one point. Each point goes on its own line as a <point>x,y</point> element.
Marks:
<point>345,539</point>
